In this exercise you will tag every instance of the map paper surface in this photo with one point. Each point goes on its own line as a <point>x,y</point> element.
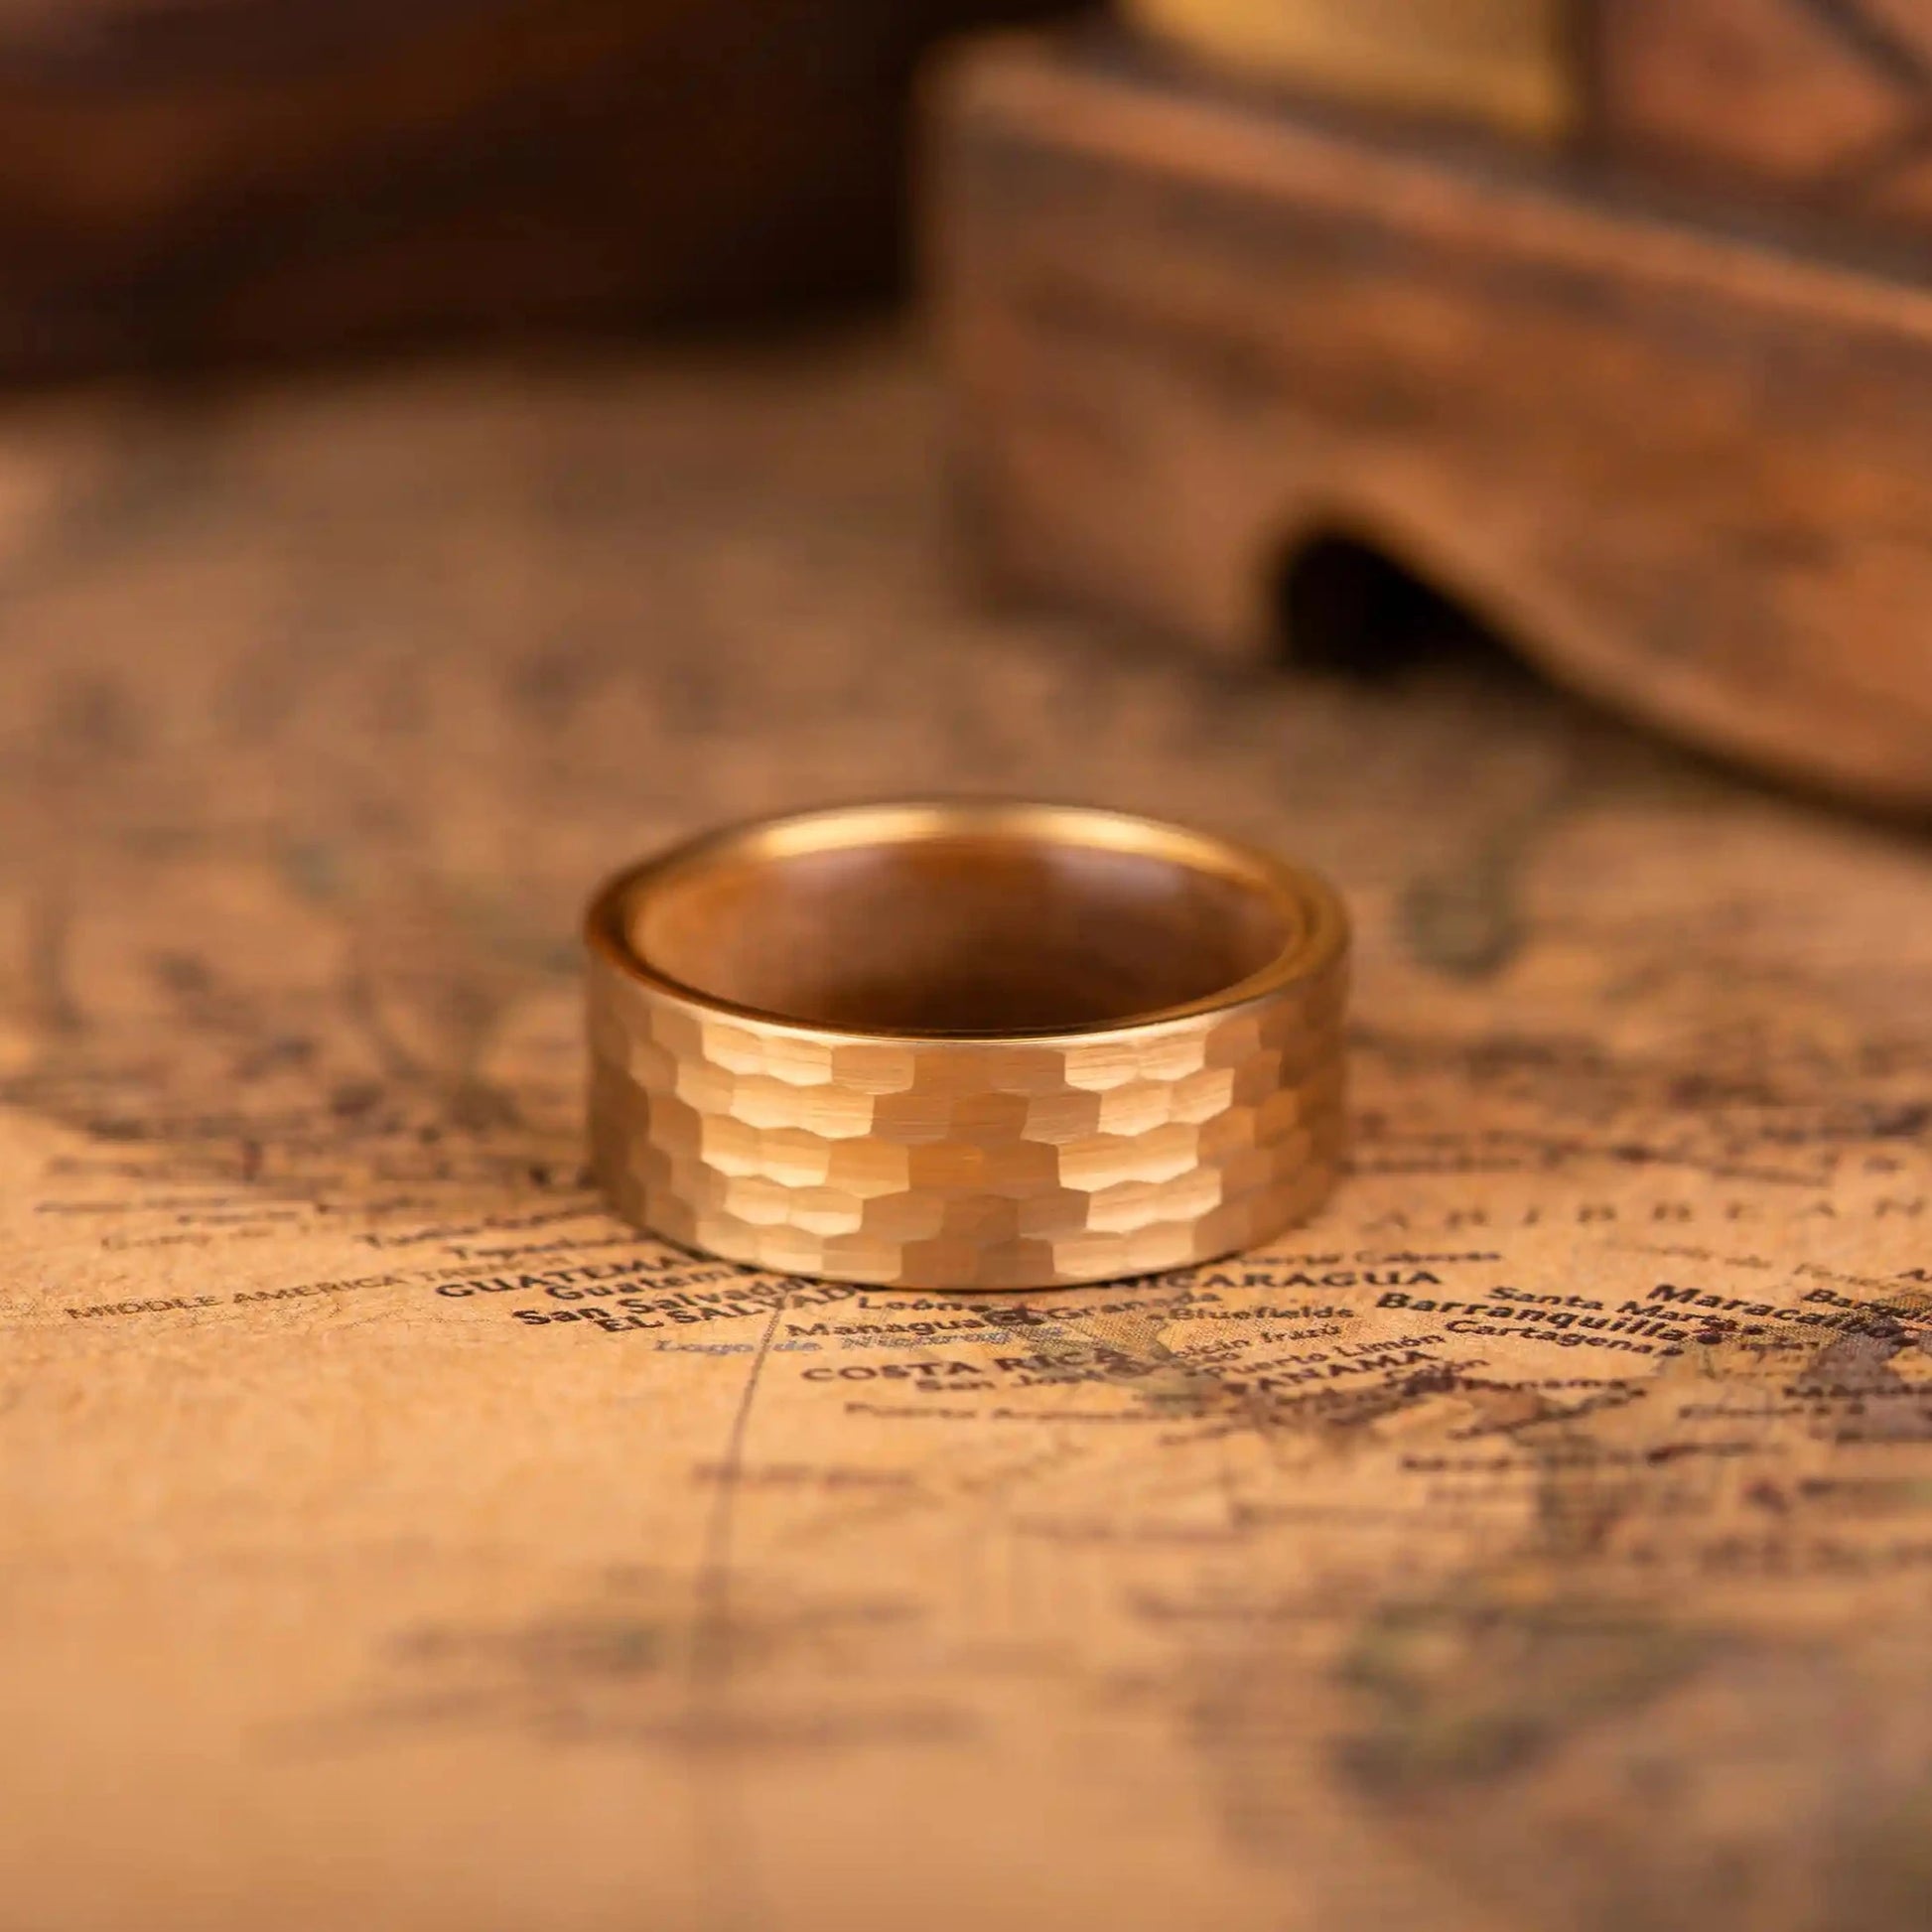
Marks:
<point>1540,1538</point>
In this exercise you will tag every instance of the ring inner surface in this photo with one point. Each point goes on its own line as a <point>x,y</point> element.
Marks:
<point>967,934</point>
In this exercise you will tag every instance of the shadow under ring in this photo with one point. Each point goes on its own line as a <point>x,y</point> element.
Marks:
<point>966,1045</point>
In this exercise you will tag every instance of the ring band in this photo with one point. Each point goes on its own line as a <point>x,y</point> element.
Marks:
<point>966,1045</point>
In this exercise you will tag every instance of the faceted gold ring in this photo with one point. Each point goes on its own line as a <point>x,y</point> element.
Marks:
<point>966,1045</point>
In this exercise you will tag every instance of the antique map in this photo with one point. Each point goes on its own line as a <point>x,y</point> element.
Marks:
<point>1540,1539</point>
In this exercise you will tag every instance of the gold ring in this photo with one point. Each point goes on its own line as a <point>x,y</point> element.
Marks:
<point>967,1046</point>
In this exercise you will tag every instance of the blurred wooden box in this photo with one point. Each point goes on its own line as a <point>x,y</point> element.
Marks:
<point>1675,442</point>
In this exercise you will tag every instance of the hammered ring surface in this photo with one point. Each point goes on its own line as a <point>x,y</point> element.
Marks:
<point>966,1045</point>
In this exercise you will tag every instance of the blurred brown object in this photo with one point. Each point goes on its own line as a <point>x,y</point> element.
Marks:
<point>1828,102</point>
<point>197,179</point>
<point>1823,106</point>
<point>1197,335</point>
<point>1507,63</point>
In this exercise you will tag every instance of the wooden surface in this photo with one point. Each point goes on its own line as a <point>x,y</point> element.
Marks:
<point>1821,105</point>
<point>236,179</point>
<point>1681,466</point>
<point>390,1538</point>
